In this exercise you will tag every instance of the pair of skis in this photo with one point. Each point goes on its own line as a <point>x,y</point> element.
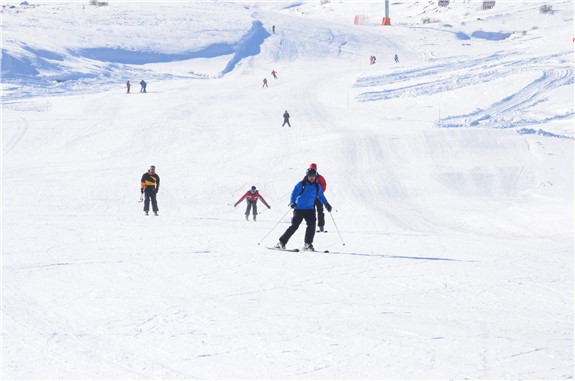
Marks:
<point>298,250</point>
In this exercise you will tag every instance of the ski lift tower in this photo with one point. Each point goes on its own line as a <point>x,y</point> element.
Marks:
<point>386,19</point>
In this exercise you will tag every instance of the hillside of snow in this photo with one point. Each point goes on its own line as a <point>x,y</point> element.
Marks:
<point>451,241</point>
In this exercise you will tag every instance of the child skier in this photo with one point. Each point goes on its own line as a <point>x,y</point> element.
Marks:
<point>252,197</point>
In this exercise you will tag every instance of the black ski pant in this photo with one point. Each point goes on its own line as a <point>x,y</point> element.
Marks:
<point>286,121</point>
<point>150,193</point>
<point>249,206</point>
<point>320,214</point>
<point>298,216</point>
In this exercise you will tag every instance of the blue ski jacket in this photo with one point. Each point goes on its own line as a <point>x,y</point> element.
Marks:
<point>305,198</point>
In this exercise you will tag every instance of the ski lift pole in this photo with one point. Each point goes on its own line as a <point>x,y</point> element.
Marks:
<point>277,223</point>
<point>336,228</point>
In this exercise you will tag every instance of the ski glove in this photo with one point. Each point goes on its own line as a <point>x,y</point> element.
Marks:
<point>328,207</point>
<point>293,205</point>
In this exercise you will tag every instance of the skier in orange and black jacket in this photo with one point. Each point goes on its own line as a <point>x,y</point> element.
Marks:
<point>150,184</point>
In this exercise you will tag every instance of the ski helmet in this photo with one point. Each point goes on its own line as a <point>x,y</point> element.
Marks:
<point>253,189</point>
<point>311,172</point>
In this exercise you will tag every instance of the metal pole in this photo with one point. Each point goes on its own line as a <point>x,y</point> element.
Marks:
<point>387,8</point>
<point>275,225</point>
<point>336,228</point>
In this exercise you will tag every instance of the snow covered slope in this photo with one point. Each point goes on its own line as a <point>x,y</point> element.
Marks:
<point>450,174</point>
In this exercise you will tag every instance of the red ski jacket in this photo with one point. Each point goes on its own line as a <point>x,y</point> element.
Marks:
<point>252,197</point>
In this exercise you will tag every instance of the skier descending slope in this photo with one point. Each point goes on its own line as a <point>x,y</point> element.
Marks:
<point>302,201</point>
<point>319,206</point>
<point>252,196</point>
<point>149,185</point>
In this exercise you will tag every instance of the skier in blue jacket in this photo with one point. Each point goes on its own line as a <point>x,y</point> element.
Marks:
<point>302,201</point>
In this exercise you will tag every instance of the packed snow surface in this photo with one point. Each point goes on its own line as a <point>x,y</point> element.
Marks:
<point>450,174</point>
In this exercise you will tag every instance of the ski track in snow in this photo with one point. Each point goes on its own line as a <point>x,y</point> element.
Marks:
<point>453,251</point>
<point>506,113</point>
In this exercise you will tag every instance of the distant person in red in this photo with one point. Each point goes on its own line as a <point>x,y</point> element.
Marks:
<point>265,83</point>
<point>275,74</point>
<point>318,205</point>
<point>128,84</point>
<point>252,197</point>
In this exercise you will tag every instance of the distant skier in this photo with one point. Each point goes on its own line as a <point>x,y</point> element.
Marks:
<point>396,58</point>
<point>128,85</point>
<point>286,119</point>
<point>265,83</point>
<point>143,84</point>
<point>252,197</point>
<point>372,60</point>
<point>150,184</point>
<point>302,200</point>
<point>275,74</point>
<point>274,29</point>
<point>318,205</point>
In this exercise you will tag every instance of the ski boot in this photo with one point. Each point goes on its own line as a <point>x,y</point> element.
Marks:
<point>308,247</point>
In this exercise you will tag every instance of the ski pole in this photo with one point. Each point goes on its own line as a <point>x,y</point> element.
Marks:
<point>280,220</point>
<point>263,211</point>
<point>334,224</point>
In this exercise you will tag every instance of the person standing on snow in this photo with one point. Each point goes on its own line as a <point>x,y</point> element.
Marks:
<point>275,74</point>
<point>252,197</point>
<point>286,119</point>
<point>302,201</point>
<point>396,58</point>
<point>265,82</point>
<point>318,205</point>
<point>150,184</point>
<point>143,84</point>
<point>128,85</point>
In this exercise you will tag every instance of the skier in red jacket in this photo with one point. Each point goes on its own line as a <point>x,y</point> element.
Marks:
<point>318,205</point>
<point>252,197</point>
